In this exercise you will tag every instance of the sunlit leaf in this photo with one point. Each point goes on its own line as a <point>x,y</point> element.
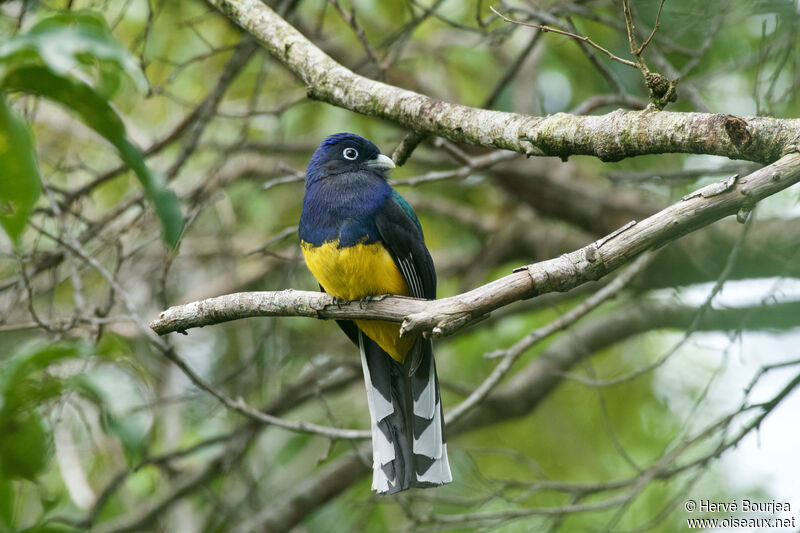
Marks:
<point>19,182</point>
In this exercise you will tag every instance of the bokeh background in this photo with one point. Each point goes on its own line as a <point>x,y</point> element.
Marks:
<point>661,400</point>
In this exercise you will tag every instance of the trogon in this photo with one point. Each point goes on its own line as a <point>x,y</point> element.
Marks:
<point>360,238</point>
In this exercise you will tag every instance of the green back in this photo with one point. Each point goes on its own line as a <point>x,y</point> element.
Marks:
<point>406,207</point>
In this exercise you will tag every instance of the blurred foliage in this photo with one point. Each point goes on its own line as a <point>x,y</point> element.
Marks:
<point>20,190</point>
<point>26,387</point>
<point>44,61</point>
<point>97,429</point>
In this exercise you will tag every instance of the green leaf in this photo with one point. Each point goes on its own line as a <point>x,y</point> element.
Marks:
<point>19,182</point>
<point>7,498</point>
<point>98,114</point>
<point>15,379</point>
<point>24,448</point>
<point>50,528</point>
<point>25,445</point>
<point>44,60</point>
<point>113,346</point>
<point>130,432</point>
<point>70,41</point>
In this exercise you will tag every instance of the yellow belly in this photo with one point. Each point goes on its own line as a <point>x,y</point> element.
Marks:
<point>354,272</point>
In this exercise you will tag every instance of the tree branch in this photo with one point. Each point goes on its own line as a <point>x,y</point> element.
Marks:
<point>523,393</point>
<point>610,137</point>
<point>575,36</point>
<point>511,354</point>
<point>445,316</point>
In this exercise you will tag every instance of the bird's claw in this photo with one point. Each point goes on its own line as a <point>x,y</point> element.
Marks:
<point>370,298</point>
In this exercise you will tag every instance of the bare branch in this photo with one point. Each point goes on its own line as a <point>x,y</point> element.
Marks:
<point>652,33</point>
<point>350,19</point>
<point>510,355</point>
<point>626,10</point>
<point>407,147</point>
<point>527,389</point>
<point>610,137</point>
<point>568,34</point>
<point>473,164</point>
<point>662,90</point>
<point>445,316</point>
<point>259,416</point>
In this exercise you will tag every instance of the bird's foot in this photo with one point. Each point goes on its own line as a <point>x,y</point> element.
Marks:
<point>371,298</point>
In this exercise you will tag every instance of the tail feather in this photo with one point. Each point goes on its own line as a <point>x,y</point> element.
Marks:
<point>407,421</point>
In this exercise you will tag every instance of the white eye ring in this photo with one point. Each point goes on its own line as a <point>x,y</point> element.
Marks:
<point>350,153</point>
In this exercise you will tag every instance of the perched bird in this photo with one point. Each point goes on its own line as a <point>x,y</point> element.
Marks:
<point>360,238</point>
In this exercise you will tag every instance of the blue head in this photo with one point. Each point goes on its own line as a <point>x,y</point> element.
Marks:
<point>345,187</point>
<point>346,153</point>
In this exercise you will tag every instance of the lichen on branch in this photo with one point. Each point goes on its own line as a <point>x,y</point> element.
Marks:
<point>610,137</point>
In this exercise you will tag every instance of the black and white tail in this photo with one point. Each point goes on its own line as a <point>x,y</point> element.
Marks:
<point>408,442</point>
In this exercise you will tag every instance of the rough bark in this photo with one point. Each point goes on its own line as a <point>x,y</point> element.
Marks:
<point>445,316</point>
<point>610,137</point>
<point>524,392</point>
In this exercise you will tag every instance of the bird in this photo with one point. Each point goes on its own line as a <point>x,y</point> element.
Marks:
<point>361,239</point>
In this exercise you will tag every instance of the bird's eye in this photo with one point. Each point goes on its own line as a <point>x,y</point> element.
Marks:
<point>350,153</point>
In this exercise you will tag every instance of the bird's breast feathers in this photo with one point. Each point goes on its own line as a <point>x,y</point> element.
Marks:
<point>354,272</point>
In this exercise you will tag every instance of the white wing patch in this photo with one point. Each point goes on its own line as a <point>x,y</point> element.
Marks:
<point>411,276</point>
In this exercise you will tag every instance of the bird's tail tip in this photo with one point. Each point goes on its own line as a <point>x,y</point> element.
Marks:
<point>409,447</point>
<point>438,474</point>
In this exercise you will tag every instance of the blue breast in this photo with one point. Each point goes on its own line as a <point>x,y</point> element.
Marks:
<point>342,209</point>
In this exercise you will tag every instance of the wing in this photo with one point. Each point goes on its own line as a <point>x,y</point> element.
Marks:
<point>401,234</point>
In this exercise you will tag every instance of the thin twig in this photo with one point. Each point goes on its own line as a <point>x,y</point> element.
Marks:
<point>629,24</point>
<point>652,33</point>
<point>587,40</point>
<point>513,353</point>
<point>350,19</point>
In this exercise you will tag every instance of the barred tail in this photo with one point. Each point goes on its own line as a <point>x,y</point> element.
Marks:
<point>409,448</point>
